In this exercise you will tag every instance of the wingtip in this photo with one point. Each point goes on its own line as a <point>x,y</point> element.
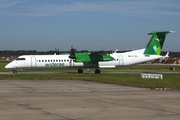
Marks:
<point>172,31</point>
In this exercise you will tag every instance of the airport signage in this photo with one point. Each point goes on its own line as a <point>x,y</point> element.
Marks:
<point>151,75</point>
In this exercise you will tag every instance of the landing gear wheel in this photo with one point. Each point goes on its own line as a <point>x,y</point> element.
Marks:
<point>15,71</point>
<point>97,71</point>
<point>80,70</point>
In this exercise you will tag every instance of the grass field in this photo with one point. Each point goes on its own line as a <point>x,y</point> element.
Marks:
<point>169,81</point>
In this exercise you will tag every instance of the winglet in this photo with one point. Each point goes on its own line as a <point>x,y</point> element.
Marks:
<point>154,47</point>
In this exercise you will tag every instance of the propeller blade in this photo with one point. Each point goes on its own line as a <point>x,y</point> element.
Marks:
<point>57,52</point>
<point>72,53</point>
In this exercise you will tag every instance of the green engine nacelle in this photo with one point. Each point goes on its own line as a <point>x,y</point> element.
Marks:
<point>92,58</point>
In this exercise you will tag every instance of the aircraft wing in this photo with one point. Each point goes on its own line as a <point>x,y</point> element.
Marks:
<point>91,57</point>
<point>101,52</point>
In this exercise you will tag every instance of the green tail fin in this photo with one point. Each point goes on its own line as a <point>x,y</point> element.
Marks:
<point>154,47</point>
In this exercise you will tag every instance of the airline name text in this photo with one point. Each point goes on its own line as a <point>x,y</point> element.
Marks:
<point>54,64</point>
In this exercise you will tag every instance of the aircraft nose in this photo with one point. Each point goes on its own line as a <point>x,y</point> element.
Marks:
<point>9,66</point>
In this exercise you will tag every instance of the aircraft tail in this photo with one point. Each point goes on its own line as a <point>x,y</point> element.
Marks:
<point>154,47</point>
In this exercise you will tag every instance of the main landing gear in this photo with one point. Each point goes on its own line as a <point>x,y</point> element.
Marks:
<point>80,70</point>
<point>97,71</point>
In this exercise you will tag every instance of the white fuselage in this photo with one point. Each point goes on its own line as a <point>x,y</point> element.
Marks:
<point>63,61</point>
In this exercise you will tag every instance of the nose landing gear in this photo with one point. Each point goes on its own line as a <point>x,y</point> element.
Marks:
<point>14,71</point>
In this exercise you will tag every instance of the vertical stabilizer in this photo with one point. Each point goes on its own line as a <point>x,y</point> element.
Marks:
<point>154,47</point>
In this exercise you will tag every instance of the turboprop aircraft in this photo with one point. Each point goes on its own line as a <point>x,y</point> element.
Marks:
<point>93,59</point>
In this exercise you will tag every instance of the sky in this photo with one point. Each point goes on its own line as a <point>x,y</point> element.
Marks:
<point>44,25</point>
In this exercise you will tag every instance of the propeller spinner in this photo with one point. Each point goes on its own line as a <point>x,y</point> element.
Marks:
<point>72,53</point>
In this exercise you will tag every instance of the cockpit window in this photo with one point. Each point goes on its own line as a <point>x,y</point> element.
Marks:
<point>20,59</point>
<point>17,58</point>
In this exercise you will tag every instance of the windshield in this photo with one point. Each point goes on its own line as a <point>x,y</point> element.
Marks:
<point>20,59</point>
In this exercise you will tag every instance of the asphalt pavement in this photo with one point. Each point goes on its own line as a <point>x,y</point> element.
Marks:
<point>82,100</point>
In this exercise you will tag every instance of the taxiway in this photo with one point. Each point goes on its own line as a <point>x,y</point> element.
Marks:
<point>82,100</point>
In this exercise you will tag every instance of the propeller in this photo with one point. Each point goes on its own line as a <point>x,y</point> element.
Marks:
<point>57,51</point>
<point>72,53</point>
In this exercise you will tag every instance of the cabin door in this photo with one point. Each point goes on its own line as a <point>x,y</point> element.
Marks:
<point>120,60</point>
<point>71,63</point>
<point>33,61</point>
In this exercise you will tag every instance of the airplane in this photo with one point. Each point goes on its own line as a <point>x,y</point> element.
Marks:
<point>99,59</point>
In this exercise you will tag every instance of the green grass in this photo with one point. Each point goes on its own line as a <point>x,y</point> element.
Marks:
<point>170,81</point>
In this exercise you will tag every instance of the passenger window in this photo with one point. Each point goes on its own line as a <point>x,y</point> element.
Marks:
<point>45,60</point>
<point>39,60</point>
<point>42,60</point>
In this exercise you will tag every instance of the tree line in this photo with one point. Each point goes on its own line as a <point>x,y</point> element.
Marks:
<point>15,53</point>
